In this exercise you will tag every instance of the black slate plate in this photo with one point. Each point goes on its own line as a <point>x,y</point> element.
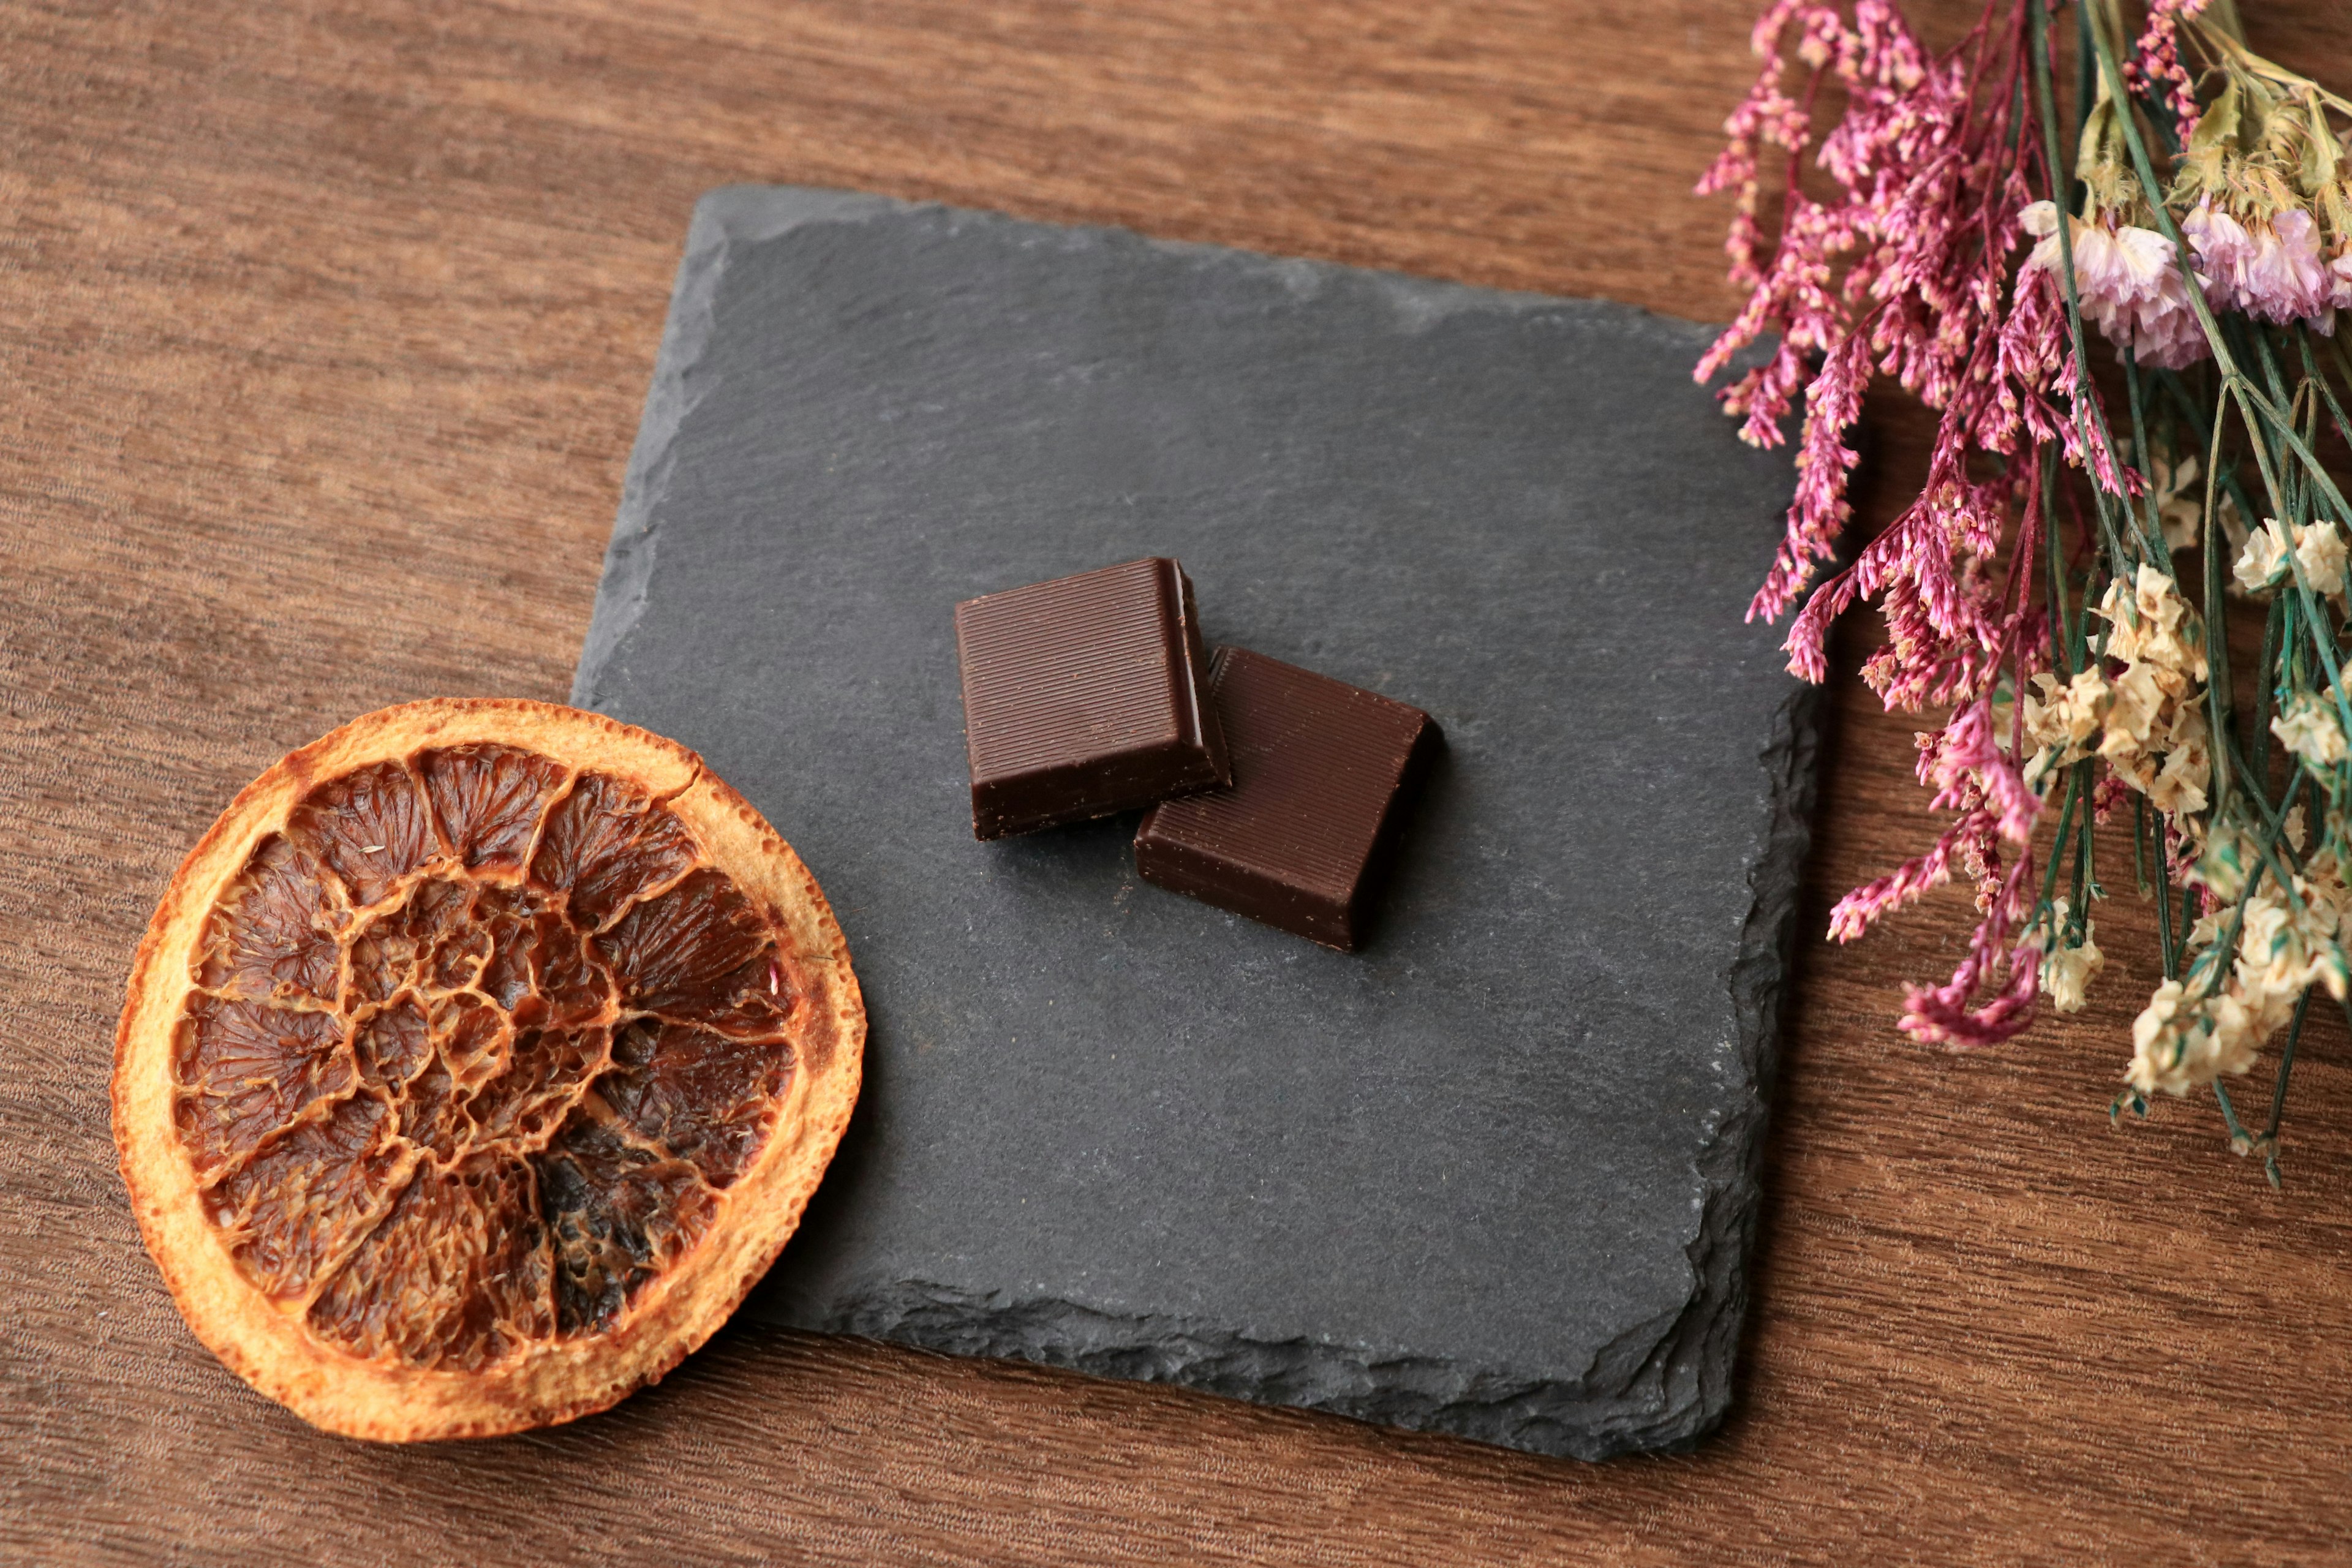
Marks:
<point>1494,1175</point>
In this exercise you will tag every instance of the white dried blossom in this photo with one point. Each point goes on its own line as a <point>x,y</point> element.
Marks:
<point>2277,946</point>
<point>2152,725</point>
<point>2135,707</point>
<point>2317,547</point>
<point>2185,1038</point>
<point>2150,623</point>
<point>2065,717</point>
<point>2319,551</point>
<point>2178,1045</point>
<point>2261,564</point>
<point>2180,785</point>
<point>2308,727</point>
<point>2067,970</point>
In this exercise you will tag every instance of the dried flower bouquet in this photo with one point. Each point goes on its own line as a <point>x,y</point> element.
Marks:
<point>2059,588</point>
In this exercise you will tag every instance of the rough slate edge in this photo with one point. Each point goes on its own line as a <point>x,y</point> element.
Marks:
<point>1661,1395</point>
<point>1665,1385</point>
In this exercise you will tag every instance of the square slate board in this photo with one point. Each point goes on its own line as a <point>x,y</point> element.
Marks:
<point>1495,1174</point>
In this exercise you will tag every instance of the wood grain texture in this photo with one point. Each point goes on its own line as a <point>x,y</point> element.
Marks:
<point>323,328</point>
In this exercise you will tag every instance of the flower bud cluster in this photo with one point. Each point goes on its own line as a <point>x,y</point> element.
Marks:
<point>2237,994</point>
<point>2143,713</point>
<point>2070,959</point>
<point>2277,551</point>
<point>2214,194</point>
<point>2126,281</point>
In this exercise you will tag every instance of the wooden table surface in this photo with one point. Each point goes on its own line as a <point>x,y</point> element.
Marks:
<point>323,328</point>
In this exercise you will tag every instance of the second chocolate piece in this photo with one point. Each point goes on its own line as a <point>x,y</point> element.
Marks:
<point>1321,770</point>
<point>1085,695</point>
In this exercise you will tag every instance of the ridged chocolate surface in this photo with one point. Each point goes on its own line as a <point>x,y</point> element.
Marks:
<point>1318,766</point>
<point>1083,696</point>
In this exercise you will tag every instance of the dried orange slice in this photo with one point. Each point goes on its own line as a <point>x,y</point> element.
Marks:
<point>477,1062</point>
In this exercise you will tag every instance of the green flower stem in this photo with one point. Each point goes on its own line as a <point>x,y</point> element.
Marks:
<point>2298,448</point>
<point>2171,946</point>
<point>2278,1089</point>
<point>2087,413</point>
<point>2293,491</point>
<point>2240,1139</point>
<point>2152,526</point>
<point>2174,388</point>
<point>2259,731</point>
<point>2313,377</point>
<point>2065,641</point>
<point>2342,357</point>
<point>2217,689</point>
<point>2078,916</point>
<point>2075,775</point>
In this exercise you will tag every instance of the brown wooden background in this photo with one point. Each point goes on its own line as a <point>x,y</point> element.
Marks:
<point>323,328</point>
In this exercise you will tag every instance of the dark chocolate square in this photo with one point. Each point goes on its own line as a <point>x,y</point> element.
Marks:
<point>1299,839</point>
<point>1084,696</point>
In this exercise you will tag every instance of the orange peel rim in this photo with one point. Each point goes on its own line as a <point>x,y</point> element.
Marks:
<point>550,1382</point>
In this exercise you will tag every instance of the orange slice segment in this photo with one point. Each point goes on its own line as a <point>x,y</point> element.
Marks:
<point>475,1064</point>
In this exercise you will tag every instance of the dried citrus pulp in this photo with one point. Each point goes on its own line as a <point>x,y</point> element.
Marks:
<point>474,1065</point>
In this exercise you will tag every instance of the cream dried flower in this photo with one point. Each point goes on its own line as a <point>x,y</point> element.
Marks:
<point>2136,698</point>
<point>2150,621</point>
<point>2152,728</point>
<point>2319,551</point>
<point>2067,971</point>
<point>2261,564</point>
<point>2280,949</point>
<point>2268,953</point>
<point>2180,787</point>
<point>2135,705</point>
<point>2317,547</point>
<point>2063,717</point>
<point>2178,1046</point>
<point>2067,974</point>
<point>2158,598</point>
<point>2308,727</point>
<point>2184,1038</point>
<point>2220,870</point>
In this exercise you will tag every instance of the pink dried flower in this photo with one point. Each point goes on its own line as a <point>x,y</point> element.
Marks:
<point>2126,281</point>
<point>1967,765</point>
<point>1927,178</point>
<point>1941,1014</point>
<point>1917,266</point>
<point>2156,71</point>
<point>2286,281</point>
<point>1867,905</point>
<point>2272,271</point>
<point>1907,272</point>
<point>2107,795</point>
<point>2222,249</point>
